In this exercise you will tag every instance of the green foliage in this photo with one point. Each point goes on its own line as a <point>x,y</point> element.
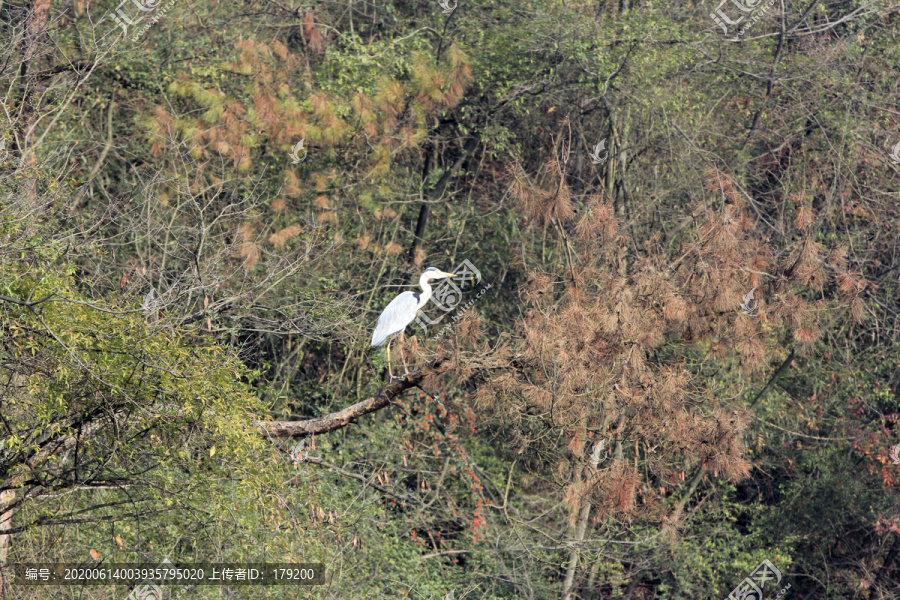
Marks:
<point>169,168</point>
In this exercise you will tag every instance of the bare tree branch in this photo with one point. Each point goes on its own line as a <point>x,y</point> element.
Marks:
<point>344,417</point>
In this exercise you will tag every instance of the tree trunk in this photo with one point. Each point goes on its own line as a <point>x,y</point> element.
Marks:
<point>888,560</point>
<point>580,529</point>
<point>436,194</point>
<point>6,499</point>
<point>34,49</point>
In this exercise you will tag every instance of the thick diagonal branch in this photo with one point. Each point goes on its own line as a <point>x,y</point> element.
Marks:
<point>344,417</point>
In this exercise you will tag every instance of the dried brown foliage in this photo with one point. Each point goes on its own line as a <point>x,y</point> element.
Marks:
<point>246,247</point>
<point>543,204</point>
<point>280,238</point>
<point>419,258</point>
<point>609,346</point>
<point>314,37</point>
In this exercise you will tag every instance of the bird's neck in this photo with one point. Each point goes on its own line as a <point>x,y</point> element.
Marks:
<point>426,292</point>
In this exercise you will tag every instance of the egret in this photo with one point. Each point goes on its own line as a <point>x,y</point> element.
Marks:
<point>402,310</point>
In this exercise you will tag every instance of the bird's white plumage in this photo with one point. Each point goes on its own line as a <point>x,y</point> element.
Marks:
<point>403,309</point>
<point>398,314</point>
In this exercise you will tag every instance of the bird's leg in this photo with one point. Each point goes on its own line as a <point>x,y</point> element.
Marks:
<point>403,358</point>
<point>389,360</point>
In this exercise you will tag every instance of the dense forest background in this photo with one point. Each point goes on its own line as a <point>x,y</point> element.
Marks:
<point>675,355</point>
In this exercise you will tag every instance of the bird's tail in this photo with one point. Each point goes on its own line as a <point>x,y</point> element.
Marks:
<point>379,341</point>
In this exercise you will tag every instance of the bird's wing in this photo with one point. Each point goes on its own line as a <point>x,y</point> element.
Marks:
<point>394,319</point>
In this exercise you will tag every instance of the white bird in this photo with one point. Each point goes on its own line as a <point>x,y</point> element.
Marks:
<point>402,311</point>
